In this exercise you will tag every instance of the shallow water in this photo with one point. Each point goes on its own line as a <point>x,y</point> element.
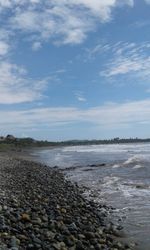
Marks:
<point>123,182</point>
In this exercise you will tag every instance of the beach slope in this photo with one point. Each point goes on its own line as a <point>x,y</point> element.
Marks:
<point>40,209</point>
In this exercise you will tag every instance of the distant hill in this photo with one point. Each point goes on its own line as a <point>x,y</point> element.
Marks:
<point>13,142</point>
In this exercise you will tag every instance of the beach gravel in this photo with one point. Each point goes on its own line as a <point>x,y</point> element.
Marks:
<point>41,209</point>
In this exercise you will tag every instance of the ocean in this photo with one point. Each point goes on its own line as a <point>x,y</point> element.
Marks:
<point>117,175</point>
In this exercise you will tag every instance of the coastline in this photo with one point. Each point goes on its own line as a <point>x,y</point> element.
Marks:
<point>40,209</point>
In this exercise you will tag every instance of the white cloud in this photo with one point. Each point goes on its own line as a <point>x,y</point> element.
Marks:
<point>5,4</point>
<point>63,22</point>
<point>109,116</point>
<point>147,1</point>
<point>80,97</point>
<point>101,9</point>
<point>16,86</point>
<point>4,48</point>
<point>127,65</point>
<point>16,3</point>
<point>36,46</point>
<point>92,53</point>
<point>128,59</point>
<point>5,42</point>
<point>141,24</point>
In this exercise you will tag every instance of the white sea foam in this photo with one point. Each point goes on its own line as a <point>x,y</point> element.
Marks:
<point>58,156</point>
<point>116,166</point>
<point>121,209</point>
<point>115,148</point>
<point>126,192</point>
<point>109,181</point>
<point>128,148</point>
<point>138,166</point>
<point>132,160</point>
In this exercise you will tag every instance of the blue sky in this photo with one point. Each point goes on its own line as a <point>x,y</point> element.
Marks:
<point>75,69</point>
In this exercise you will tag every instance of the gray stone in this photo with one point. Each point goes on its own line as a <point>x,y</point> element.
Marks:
<point>1,208</point>
<point>14,242</point>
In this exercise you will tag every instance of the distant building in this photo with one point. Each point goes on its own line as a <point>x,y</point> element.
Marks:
<point>2,138</point>
<point>10,137</point>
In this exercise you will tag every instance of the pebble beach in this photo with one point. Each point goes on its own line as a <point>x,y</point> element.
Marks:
<point>41,209</point>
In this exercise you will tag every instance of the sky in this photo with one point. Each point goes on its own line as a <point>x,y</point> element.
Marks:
<point>75,69</point>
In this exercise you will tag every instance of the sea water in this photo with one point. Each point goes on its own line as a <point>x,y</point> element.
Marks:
<point>116,175</point>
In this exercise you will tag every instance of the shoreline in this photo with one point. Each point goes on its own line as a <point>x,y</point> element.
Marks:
<point>41,209</point>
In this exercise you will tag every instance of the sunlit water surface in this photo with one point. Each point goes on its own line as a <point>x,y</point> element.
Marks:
<point>123,182</point>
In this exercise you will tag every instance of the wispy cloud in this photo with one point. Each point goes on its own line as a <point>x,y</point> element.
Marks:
<point>129,59</point>
<point>60,22</point>
<point>81,99</point>
<point>147,1</point>
<point>63,22</point>
<point>4,48</point>
<point>5,42</point>
<point>36,46</point>
<point>109,116</point>
<point>80,96</point>
<point>16,86</point>
<point>100,48</point>
<point>141,24</point>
